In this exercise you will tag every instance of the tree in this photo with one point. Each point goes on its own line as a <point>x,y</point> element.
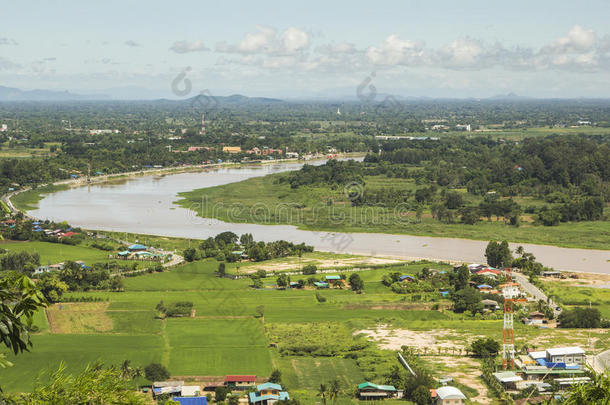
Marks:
<point>498,254</point>
<point>190,254</point>
<point>334,390</point>
<point>466,299</point>
<point>52,287</point>
<point>276,376</point>
<point>595,392</point>
<point>220,393</point>
<point>246,239</point>
<point>283,280</point>
<point>233,400</point>
<point>421,396</point>
<point>19,301</point>
<point>323,392</point>
<point>485,347</point>
<point>156,372</point>
<point>580,318</point>
<point>310,269</point>
<point>95,385</point>
<point>221,269</point>
<point>356,282</point>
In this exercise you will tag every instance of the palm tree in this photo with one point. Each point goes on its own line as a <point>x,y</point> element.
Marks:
<point>520,250</point>
<point>322,391</point>
<point>334,390</point>
<point>136,373</point>
<point>126,369</point>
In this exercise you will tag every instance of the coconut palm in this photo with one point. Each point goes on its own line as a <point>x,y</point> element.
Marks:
<point>323,392</point>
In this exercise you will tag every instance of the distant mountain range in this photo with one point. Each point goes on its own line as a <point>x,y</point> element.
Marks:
<point>14,94</point>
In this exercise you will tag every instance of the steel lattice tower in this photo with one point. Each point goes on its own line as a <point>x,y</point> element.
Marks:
<point>508,346</point>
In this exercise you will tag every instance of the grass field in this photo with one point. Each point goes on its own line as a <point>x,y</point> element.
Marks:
<point>308,208</point>
<point>225,336</point>
<point>28,200</point>
<point>571,295</point>
<point>51,253</point>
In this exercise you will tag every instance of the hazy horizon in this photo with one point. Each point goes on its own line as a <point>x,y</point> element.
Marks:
<point>437,49</point>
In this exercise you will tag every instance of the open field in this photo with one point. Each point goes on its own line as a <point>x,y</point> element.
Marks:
<point>307,208</point>
<point>227,337</point>
<point>51,253</point>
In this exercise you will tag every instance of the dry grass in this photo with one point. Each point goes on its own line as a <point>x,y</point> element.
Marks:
<point>86,317</point>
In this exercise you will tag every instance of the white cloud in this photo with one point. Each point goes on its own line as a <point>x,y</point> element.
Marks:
<point>462,53</point>
<point>396,51</point>
<point>187,47</point>
<point>578,40</point>
<point>267,41</point>
<point>132,44</point>
<point>295,40</point>
<point>6,64</point>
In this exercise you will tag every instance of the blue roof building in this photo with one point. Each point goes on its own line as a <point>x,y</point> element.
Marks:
<point>267,394</point>
<point>136,247</point>
<point>332,278</point>
<point>191,400</point>
<point>484,287</point>
<point>321,284</point>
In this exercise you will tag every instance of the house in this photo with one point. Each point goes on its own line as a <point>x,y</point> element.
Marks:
<point>508,379</point>
<point>240,382</point>
<point>493,273</point>
<point>136,248</point>
<point>474,267</point>
<point>449,396</point>
<point>484,288</point>
<point>444,293</point>
<point>254,151</point>
<point>191,400</point>
<point>406,278</point>
<point>490,304</point>
<point>369,390</point>
<point>321,284</point>
<point>551,274</point>
<point>268,394</point>
<point>333,278</point>
<point>510,290</point>
<point>190,391</point>
<point>534,318</point>
<point>231,149</point>
<point>167,387</point>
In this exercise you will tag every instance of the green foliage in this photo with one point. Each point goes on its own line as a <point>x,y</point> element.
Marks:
<point>156,372</point>
<point>466,299</point>
<point>95,385</point>
<point>356,283</point>
<point>220,393</point>
<point>309,269</point>
<point>498,254</point>
<point>314,339</point>
<point>276,376</point>
<point>580,318</point>
<point>19,301</point>
<point>485,347</point>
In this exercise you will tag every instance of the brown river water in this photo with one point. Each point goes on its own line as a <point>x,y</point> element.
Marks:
<point>145,205</point>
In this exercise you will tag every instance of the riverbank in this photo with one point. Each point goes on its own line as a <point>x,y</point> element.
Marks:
<point>268,201</point>
<point>27,198</point>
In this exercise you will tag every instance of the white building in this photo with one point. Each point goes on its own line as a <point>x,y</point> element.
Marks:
<point>4,128</point>
<point>449,396</point>
<point>568,355</point>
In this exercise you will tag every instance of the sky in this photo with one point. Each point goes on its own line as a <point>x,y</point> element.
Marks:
<point>306,49</point>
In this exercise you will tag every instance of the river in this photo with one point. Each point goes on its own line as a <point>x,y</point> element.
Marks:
<point>145,205</point>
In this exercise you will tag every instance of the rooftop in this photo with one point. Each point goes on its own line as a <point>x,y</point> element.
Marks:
<point>562,351</point>
<point>240,378</point>
<point>449,393</point>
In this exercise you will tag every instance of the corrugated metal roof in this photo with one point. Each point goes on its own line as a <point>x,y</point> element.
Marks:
<point>449,392</point>
<point>562,351</point>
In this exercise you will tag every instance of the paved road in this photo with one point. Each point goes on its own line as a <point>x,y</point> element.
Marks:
<point>534,291</point>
